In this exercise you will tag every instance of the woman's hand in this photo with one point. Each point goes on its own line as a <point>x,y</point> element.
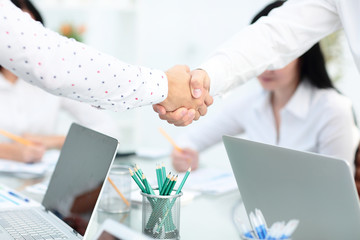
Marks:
<point>26,153</point>
<point>184,159</point>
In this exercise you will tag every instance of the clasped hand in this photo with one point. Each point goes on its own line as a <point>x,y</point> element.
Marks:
<point>188,96</point>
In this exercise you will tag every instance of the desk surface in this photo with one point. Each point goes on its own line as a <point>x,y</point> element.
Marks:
<point>205,217</point>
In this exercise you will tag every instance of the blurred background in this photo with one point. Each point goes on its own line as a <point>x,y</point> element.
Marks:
<point>162,33</point>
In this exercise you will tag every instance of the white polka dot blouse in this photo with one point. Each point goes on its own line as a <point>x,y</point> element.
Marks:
<point>67,68</point>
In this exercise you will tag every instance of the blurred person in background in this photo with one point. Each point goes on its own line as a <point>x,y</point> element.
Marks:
<point>296,107</point>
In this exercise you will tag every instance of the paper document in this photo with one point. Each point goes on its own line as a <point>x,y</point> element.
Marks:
<point>210,181</point>
<point>10,199</point>
<point>27,170</point>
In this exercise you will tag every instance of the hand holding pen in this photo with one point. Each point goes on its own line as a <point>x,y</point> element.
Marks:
<point>181,160</point>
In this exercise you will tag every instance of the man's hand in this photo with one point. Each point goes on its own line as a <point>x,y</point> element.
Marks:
<point>200,86</point>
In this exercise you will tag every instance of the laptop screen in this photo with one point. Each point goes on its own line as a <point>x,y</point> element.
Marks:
<point>74,188</point>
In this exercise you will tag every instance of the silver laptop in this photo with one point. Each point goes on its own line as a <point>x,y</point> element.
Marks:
<point>287,184</point>
<point>72,194</point>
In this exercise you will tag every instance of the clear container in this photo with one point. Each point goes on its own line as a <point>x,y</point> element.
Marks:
<point>161,215</point>
<point>116,199</point>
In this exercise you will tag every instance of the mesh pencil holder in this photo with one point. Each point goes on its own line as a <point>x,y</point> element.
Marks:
<point>161,215</point>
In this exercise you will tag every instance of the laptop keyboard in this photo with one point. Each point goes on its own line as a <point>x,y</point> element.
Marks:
<point>28,224</point>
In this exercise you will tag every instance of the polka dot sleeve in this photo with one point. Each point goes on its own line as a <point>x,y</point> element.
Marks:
<point>71,69</point>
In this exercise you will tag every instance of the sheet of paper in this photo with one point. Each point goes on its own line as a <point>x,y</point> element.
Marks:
<point>39,188</point>
<point>210,181</point>
<point>26,170</point>
<point>10,199</point>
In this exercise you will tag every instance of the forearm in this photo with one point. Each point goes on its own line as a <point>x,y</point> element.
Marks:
<point>53,142</point>
<point>270,43</point>
<point>68,68</point>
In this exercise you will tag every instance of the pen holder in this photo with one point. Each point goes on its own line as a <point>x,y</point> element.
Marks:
<point>161,215</point>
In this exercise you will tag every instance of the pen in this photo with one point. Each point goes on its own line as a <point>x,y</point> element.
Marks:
<point>170,140</point>
<point>255,224</point>
<point>289,229</point>
<point>10,200</point>
<point>16,138</point>
<point>262,221</point>
<point>275,231</point>
<point>18,196</point>
<point>245,231</point>
<point>118,191</point>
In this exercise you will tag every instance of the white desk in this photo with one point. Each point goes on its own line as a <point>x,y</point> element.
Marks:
<point>205,217</point>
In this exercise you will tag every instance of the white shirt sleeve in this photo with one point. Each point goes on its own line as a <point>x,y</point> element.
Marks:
<point>271,43</point>
<point>68,68</point>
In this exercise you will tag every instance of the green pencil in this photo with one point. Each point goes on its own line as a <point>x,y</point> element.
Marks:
<point>173,201</point>
<point>163,170</point>
<point>166,183</point>
<point>183,181</point>
<point>147,185</point>
<point>138,173</point>
<point>137,181</point>
<point>172,186</point>
<point>159,177</point>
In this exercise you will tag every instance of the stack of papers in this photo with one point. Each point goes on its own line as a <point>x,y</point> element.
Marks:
<point>28,170</point>
<point>210,181</point>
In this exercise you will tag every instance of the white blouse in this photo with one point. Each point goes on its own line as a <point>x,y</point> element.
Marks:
<point>314,120</point>
<point>27,109</point>
<point>68,68</point>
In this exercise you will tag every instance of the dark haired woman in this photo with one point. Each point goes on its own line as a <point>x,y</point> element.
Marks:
<point>295,107</point>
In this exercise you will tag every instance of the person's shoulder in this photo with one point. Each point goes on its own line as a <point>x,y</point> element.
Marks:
<point>331,101</point>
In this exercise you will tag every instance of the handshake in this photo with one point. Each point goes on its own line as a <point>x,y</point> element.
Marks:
<point>188,96</point>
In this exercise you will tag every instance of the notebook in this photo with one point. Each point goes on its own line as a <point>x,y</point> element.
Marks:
<point>72,194</point>
<point>288,184</point>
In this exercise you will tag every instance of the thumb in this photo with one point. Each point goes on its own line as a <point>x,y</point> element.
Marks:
<point>197,83</point>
